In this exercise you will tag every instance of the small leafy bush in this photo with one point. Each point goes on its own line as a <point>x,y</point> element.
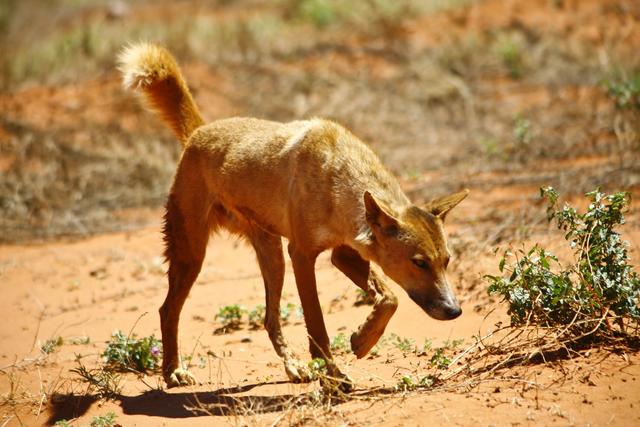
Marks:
<point>104,381</point>
<point>426,346</point>
<point>453,344</point>
<point>439,359</point>
<point>405,345</point>
<point>320,12</point>
<point>510,48</point>
<point>318,367</point>
<point>410,383</point>
<point>625,91</point>
<point>584,297</point>
<point>128,353</point>
<point>230,316</point>
<point>522,131</point>
<point>256,316</point>
<point>107,420</point>
<point>287,310</point>
<point>340,343</point>
<point>51,345</point>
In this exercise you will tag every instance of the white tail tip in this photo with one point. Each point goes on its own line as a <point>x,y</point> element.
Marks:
<point>143,63</point>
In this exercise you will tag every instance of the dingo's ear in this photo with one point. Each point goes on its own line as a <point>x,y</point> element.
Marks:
<point>441,206</point>
<point>378,216</point>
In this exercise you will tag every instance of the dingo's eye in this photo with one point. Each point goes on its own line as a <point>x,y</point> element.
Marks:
<point>419,262</point>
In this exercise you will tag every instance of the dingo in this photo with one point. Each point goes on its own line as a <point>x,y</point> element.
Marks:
<point>310,181</point>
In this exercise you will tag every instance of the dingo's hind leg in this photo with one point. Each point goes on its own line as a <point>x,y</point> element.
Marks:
<point>186,233</point>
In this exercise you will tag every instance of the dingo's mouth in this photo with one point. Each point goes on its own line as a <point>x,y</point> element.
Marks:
<point>439,310</point>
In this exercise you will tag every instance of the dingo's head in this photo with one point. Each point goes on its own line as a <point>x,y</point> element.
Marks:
<point>411,249</point>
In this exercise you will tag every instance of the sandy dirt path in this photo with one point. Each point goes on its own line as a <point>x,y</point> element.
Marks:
<point>91,287</point>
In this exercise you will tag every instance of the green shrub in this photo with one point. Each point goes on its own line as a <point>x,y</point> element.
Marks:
<point>625,91</point>
<point>320,12</point>
<point>129,353</point>
<point>510,48</point>
<point>230,316</point>
<point>426,346</point>
<point>600,286</point>
<point>318,367</point>
<point>439,359</point>
<point>107,420</point>
<point>410,383</point>
<point>522,131</point>
<point>405,345</point>
<point>287,310</point>
<point>256,316</point>
<point>104,381</point>
<point>340,343</point>
<point>51,345</point>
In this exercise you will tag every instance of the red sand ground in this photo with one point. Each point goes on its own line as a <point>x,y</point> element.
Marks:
<point>94,286</point>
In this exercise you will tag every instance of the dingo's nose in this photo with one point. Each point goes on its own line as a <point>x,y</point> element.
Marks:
<point>453,312</point>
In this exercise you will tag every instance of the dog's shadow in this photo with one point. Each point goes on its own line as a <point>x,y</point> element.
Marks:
<point>221,402</point>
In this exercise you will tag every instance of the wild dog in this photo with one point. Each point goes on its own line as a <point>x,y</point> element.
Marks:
<point>309,181</point>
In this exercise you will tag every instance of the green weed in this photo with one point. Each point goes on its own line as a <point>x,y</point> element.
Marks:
<point>231,316</point>
<point>105,382</point>
<point>405,345</point>
<point>319,12</point>
<point>522,131</point>
<point>51,345</point>
<point>509,48</point>
<point>107,420</point>
<point>287,310</point>
<point>426,345</point>
<point>373,16</point>
<point>453,344</point>
<point>491,148</point>
<point>625,91</point>
<point>128,353</point>
<point>439,359</point>
<point>600,286</point>
<point>340,343</point>
<point>410,383</point>
<point>256,316</point>
<point>318,367</point>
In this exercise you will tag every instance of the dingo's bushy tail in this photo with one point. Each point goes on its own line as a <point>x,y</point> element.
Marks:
<point>154,70</point>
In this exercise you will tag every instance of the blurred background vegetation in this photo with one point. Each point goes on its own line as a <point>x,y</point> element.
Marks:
<point>499,96</point>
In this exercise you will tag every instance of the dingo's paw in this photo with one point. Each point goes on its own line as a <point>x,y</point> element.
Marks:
<point>180,377</point>
<point>336,381</point>
<point>362,341</point>
<point>297,371</point>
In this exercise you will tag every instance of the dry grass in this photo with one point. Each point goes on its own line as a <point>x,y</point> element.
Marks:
<point>425,108</point>
<point>57,186</point>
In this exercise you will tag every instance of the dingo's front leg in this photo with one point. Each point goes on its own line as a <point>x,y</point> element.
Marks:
<point>359,271</point>
<point>271,260</point>
<point>303,268</point>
